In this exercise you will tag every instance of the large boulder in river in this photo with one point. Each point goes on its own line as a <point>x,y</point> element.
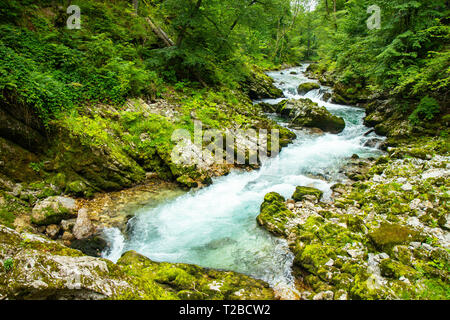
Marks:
<point>53,210</point>
<point>191,282</point>
<point>306,113</point>
<point>306,87</point>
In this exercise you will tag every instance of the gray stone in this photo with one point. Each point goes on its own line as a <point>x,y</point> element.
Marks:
<point>53,210</point>
<point>83,227</point>
<point>324,295</point>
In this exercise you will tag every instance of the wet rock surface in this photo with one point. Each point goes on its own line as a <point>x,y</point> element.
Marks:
<point>304,113</point>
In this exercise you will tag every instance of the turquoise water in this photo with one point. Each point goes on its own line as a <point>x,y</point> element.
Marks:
<point>216,226</point>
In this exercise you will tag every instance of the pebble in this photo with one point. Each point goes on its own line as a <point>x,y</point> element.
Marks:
<point>407,187</point>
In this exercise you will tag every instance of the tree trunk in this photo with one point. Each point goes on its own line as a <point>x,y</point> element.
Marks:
<point>136,6</point>
<point>160,33</point>
<point>334,11</point>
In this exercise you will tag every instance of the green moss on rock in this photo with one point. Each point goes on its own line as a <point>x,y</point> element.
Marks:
<point>306,87</point>
<point>274,214</point>
<point>303,192</point>
<point>389,235</point>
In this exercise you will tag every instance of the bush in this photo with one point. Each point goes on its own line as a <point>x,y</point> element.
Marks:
<point>425,111</point>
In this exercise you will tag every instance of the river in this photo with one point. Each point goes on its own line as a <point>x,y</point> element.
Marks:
<point>216,226</point>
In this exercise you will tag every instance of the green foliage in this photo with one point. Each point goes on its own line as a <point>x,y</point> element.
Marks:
<point>52,69</point>
<point>407,58</point>
<point>427,109</point>
<point>8,264</point>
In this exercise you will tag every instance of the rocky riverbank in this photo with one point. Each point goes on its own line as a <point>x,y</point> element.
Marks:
<point>33,267</point>
<point>384,235</point>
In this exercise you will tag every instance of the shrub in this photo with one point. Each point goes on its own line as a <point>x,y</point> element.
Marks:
<point>426,110</point>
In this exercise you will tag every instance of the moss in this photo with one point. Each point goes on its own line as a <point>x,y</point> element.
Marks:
<point>78,188</point>
<point>7,218</point>
<point>50,247</point>
<point>434,289</point>
<point>301,192</point>
<point>306,87</point>
<point>184,281</point>
<point>274,214</point>
<point>50,216</point>
<point>312,257</point>
<point>355,223</point>
<point>363,289</point>
<point>389,235</point>
<point>187,181</point>
<point>394,269</point>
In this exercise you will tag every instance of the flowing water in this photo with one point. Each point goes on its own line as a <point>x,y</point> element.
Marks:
<point>216,226</point>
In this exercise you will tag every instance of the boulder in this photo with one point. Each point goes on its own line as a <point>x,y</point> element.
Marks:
<point>306,87</point>
<point>268,107</point>
<point>53,210</point>
<point>190,282</point>
<point>306,113</point>
<point>390,234</point>
<point>83,227</point>
<point>274,214</point>
<point>44,269</point>
<point>260,86</point>
<point>302,193</point>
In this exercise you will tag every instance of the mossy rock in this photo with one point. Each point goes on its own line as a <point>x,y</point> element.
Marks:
<point>394,269</point>
<point>187,181</point>
<point>314,256</point>
<point>267,107</point>
<point>258,85</point>
<point>390,234</point>
<point>306,87</point>
<point>301,193</point>
<point>78,188</point>
<point>192,282</point>
<point>274,214</point>
<point>355,223</point>
<point>53,210</point>
<point>306,113</point>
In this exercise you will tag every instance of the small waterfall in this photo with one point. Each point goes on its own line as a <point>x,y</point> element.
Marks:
<point>216,227</point>
<point>116,243</point>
